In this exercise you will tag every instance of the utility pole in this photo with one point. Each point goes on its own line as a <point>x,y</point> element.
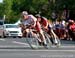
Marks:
<point>4,18</point>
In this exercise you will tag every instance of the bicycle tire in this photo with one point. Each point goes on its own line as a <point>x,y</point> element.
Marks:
<point>32,41</point>
<point>48,41</point>
<point>56,39</point>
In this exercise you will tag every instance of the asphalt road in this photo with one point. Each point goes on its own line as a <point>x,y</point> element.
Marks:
<point>22,53</point>
<point>18,48</point>
<point>21,43</point>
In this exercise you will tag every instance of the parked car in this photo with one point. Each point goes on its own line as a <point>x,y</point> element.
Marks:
<point>12,30</point>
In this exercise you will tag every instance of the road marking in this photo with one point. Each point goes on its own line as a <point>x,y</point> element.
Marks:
<point>35,45</point>
<point>50,50</point>
<point>67,47</point>
<point>2,39</point>
<point>19,42</point>
<point>23,43</point>
<point>53,50</point>
<point>44,50</point>
<point>64,46</point>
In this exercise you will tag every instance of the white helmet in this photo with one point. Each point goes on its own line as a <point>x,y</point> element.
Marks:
<point>24,13</point>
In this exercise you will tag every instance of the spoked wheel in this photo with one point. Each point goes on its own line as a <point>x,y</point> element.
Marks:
<point>48,41</point>
<point>32,41</point>
<point>56,40</point>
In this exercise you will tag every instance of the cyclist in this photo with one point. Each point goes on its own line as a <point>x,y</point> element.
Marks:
<point>46,25</point>
<point>43,21</point>
<point>29,20</point>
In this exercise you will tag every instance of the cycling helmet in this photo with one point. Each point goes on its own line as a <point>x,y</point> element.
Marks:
<point>37,15</point>
<point>24,13</point>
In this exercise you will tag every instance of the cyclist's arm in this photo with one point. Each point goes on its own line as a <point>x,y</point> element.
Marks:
<point>45,23</point>
<point>34,20</point>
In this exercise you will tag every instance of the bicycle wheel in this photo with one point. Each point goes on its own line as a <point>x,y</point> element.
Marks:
<point>32,41</point>
<point>48,41</point>
<point>56,40</point>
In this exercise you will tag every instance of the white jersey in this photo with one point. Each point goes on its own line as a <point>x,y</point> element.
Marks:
<point>31,20</point>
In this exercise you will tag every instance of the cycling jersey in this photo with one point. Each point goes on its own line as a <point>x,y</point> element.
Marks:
<point>44,22</point>
<point>30,20</point>
<point>72,27</point>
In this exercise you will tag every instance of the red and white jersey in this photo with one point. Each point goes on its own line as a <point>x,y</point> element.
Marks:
<point>44,22</point>
<point>31,20</point>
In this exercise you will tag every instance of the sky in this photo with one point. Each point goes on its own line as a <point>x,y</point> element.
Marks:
<point>1,1</point>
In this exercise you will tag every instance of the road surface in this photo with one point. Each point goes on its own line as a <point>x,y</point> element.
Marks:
<point>18,48</point>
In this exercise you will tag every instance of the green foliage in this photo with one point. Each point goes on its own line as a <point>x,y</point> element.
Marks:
<point>1,10</point>
<point>13,8</point>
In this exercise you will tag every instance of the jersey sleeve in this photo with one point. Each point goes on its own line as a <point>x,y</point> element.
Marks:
<point>34,19</point>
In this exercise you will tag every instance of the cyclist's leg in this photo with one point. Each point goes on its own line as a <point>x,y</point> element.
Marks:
<point>27,32</point>
<point>49,32</point>
<point>38,28</point>
<point>53,37</point>
<point>24,33</point>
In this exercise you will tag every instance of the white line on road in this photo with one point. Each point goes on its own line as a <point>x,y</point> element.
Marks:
<point>67,47</point>
<point>2,39</point>
<point>19,42</point>
<point>44,50</point>
<point>35,45</point>
<point>52,50</point>
<point>23,43</point>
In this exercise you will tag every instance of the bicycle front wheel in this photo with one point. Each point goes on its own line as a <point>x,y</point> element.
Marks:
<point>48,41</point>
<point>32,41</point>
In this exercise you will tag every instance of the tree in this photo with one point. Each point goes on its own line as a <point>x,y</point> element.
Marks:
<point>7,4</point>
<point>1,10</point>
<point>13,8</point>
